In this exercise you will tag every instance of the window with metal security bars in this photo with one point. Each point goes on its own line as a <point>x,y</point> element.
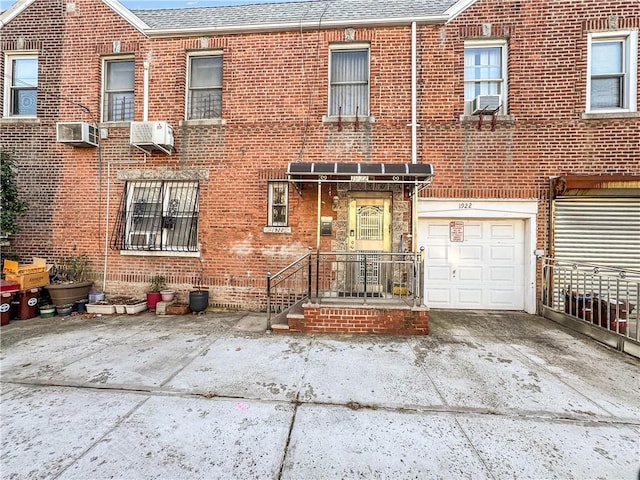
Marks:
<point>118,90</point>
<point>158,215</point>
<point>204,96</point>
<point>349,82</point>
<point>278,204</point>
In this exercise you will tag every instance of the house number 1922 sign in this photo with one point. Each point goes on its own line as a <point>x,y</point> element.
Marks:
<point>456,231</point>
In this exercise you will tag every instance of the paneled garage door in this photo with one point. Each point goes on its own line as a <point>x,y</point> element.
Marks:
<point>473,263</point>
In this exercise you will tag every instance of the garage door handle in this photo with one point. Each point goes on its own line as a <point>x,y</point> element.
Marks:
<point>453,273</point>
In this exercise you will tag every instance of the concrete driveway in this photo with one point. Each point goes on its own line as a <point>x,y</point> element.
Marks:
<point>486,395</point>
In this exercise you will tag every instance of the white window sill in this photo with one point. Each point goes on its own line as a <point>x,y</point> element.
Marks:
<point>203,121</point>
<point>19,120</point>
<point>604,115</point>
<point>157,253</point>
<point>115,124</point>
<point>348,119</point>
<point>275,229</point>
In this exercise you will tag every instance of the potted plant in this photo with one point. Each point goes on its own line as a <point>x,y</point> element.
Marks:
<point>68,284</point>
<point>158,283</point>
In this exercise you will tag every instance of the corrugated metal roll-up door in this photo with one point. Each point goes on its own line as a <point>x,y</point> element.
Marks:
<point>601,231</point>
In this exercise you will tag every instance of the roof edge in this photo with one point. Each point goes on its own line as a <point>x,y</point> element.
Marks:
<point>13,11</point>
<point>127,15</point>
<point>274,27</point>
<point>457,8</point>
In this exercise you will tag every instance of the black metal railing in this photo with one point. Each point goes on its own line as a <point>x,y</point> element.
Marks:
<point>604,296</point>
<point>358,276</point>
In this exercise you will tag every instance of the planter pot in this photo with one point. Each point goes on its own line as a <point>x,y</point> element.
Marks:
<point>68,293</point>
<point>81,305</point>
<point>48,311</point>
<point>96,297</point>
<point>152,299</point>
<point>102,309</point>
<point>198,300</point>
<point>65,310</point>
<point>136,308</point>
<point>167,295</point>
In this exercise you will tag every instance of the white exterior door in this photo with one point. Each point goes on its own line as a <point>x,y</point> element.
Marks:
<point>474,263</point>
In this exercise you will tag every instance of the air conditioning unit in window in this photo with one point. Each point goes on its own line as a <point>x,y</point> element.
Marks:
<point>77,134</point>
<point>485,103</point>
<point>143,241</point>
<point>152,136</point>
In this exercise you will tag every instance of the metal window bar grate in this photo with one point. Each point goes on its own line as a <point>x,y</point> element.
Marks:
<point>157,215</point>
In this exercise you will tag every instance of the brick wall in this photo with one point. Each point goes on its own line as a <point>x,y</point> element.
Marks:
<point>353,319</point>
<point>274,98</point>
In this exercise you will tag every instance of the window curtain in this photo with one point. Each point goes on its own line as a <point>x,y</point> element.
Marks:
<point>482,71</point>
<point>350,83</point>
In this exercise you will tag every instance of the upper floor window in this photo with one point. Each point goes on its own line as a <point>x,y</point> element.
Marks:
<point>204,96</point>
<point>485,75</point>
<point>118,90</point>
<point>612,71</point>
<point>278,204</point>
<point>158,215</point>
<point>21,85</point>
<point>349,81</point>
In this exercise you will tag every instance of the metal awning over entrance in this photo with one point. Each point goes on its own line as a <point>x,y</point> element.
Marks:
<point>416,174</point>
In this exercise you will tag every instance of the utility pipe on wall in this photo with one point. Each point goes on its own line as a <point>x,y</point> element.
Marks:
<point>145,94</point>
<point>414,133</point>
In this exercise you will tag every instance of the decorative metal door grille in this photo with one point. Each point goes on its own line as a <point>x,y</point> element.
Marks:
<point>370,222</point>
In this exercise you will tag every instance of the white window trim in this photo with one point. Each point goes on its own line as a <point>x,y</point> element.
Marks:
<point>103,84</point>
<point>504,67</point>
<point>8,74</point>
<point>190,55</point>
<point>346,47</point>
<point>630,38</point>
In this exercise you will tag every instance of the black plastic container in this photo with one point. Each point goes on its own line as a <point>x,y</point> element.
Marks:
<point>198,300</point>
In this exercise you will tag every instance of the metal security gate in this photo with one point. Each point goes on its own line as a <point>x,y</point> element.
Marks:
<point>599,231</point>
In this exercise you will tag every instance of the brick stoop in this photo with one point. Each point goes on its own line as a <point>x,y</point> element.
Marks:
<point>358,318</point>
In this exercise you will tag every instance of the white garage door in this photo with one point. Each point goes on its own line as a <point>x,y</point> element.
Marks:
<point>473,263</point>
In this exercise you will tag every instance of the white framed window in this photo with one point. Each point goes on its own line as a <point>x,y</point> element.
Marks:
<point>21,85</point>
<point>204,86</point>
<point>158,215</point>
<point>485,72</point>
<point>349,80</point>
<point>278,204</point>
<point>118,90</point>
<point>612,66</point>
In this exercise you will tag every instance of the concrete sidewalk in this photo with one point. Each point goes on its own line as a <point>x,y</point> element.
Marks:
<point>486,395</point>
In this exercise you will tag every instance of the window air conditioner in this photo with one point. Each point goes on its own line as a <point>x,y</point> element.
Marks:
<point>150,136</point>
<point>485,103</point>
<point>143,240</point>
<point>77,134</point>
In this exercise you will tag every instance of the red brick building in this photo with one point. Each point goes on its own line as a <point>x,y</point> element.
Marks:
<point>268,129</point>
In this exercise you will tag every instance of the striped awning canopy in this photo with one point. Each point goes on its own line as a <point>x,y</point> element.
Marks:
<point>418,174</point>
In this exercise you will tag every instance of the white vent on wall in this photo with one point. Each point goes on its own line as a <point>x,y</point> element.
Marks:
<point>77,134</point>
<point>151,136</point>
<point>485,103</point>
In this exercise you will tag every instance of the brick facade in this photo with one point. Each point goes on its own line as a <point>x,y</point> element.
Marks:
<point>275,96</point>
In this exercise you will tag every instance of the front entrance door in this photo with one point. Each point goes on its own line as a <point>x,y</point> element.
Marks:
<point>369,233</point>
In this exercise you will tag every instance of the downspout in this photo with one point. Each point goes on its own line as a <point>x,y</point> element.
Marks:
<point>145,93</point>
<point>414,133</point>
<point>319,215</point>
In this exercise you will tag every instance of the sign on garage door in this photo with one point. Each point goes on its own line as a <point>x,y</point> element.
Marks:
<point>483,271</point>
